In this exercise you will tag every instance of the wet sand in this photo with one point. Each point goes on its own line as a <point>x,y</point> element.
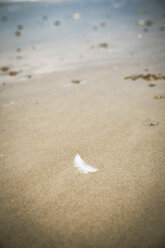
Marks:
<point>45,201</point>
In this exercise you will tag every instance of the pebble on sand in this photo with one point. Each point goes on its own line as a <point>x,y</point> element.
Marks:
<point>20,27</point>
<point>103,45</point>
<point>75,81</point>
<point>57,23</point>
<point>153,124</point>
<point>17,33</point>
<point>4,68</point>
<point>13,73</point>
<point>148,23</point>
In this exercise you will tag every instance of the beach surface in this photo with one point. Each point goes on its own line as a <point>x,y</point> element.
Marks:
<point>115,124</point>
<point>45,201</point>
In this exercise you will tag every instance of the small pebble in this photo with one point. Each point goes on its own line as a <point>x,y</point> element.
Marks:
<point>20,27</point>
<point>17,33</point>
<point>148,23</point>
<point>75,81</point>
<point>103,45</point>
<point>153,124</point>
<point>57,23</point>
<point>13,73</point>
<point>4,68</point>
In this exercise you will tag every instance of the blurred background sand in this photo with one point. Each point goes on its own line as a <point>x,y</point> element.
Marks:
<point>116,125</point>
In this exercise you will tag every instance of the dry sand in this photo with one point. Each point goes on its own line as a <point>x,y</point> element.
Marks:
<point>45,202</point>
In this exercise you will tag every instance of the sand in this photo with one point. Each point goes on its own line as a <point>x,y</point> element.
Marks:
<point>45,201</point>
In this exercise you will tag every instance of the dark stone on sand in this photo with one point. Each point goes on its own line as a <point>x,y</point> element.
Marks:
<point>75,81</point>
<point>103,45</point>
<point>4,68</point>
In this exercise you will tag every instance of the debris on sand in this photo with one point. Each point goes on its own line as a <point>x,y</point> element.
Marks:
<point>159,97</point>
<point>147,77</point>
<point>17,33</point>
<point>153,124</point>
<point>57,23</point>
<point>151,85</point>
<point>4,68</point>
<point>20,27</point>
<point>13,73</point>
<point>148,23</point>
<point>103,45</point>
<point>75,81</point>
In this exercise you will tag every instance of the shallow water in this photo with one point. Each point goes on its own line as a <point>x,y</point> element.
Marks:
<point>53,37</point>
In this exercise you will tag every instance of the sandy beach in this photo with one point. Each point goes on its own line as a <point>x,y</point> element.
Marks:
<point>45,201</point>
<point>88,95</point>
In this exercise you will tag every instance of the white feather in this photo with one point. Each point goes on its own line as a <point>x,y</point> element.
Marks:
<point>82,166</point>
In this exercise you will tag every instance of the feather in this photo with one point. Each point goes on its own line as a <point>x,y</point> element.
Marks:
<point>82,166</point>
